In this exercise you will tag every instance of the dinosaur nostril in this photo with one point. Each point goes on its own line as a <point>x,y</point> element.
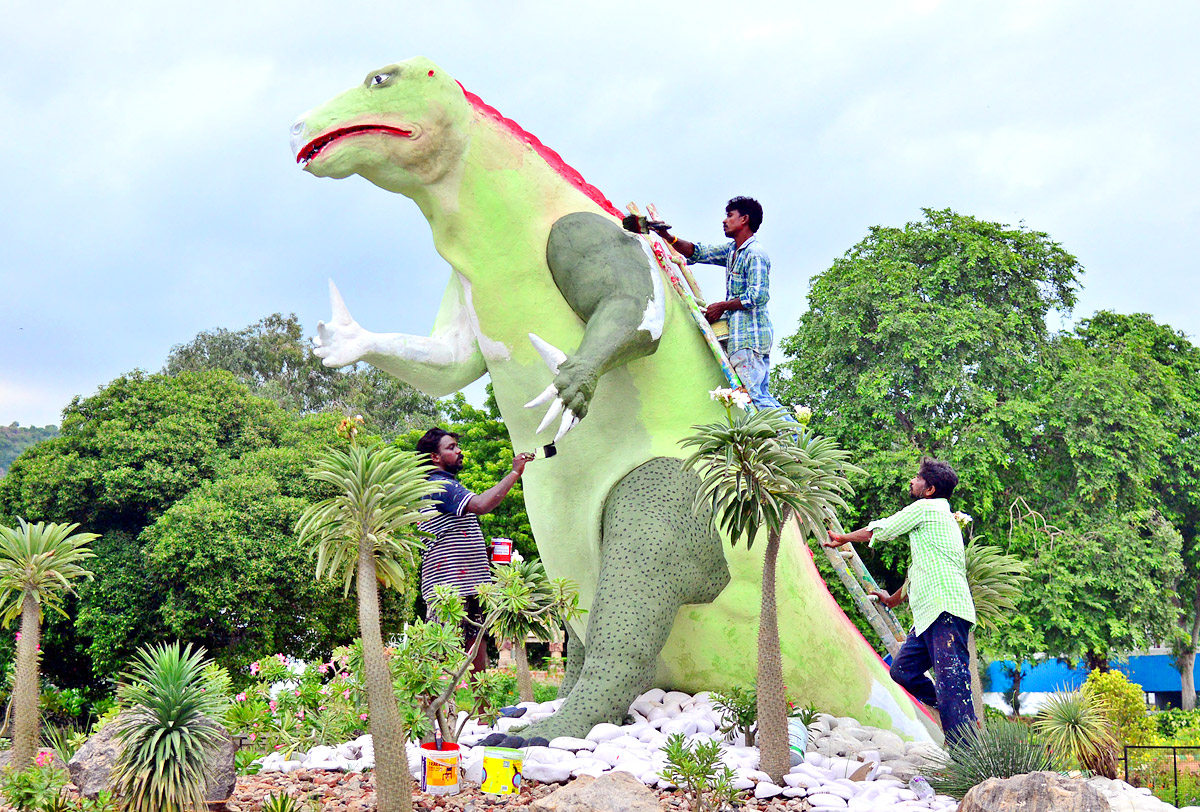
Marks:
<point>298,127</point>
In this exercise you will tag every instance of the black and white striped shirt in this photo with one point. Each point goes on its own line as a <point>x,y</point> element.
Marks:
<point>457,554</point>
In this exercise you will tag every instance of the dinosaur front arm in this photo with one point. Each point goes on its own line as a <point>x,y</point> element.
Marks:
<point>438,364</point>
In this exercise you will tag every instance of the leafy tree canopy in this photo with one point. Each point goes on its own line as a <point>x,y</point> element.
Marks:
<point>15,438</point>
<point>273,358</point>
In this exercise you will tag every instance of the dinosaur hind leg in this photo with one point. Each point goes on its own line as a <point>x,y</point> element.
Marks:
<point>656,556</point>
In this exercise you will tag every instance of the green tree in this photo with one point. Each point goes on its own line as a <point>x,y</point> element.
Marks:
<point>274,359</point>
<point>757,471</point>
<point>38,562</point>
<point>996,580</point>
<point>926,340</point>
<point>364,534</point>
<point>521,601</point>
<point>15,438</point>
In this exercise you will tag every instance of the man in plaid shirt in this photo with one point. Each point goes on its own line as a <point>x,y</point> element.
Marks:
<point>939,596</point>
<point>747,291</point>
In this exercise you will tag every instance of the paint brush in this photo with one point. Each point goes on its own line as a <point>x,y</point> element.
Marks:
<point>546,453</point>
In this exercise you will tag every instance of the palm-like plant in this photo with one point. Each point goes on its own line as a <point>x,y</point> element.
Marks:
<point>365,531</point>
<point>758,471</point>
<point>995,579</point>
<point>166,730</point>
<point>522,600</point>
<point>1076,726</point>
<point>1001,750</point>
<point>38,563</point>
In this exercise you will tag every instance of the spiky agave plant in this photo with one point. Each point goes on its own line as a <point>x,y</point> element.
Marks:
<point>165,730</point>
<point>1076,726</point>
<point>1001,750</point>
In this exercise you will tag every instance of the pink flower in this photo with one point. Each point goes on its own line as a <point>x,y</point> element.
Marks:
<point>297,692</point>
<point>241,697</point>
<point>322,668</point>
<point>273,705</point>
<point>255,667</point>
<point>346,693</point>
<point>320,707</point>
<point>279,747</point>
<point>362,716</point>
<point>345,675</point>
<point>253,736</point>
<point>300,713</point>
<point>324,691</point>
<point>282,659</point>
<point>45,758</point>
<point>18,637</point>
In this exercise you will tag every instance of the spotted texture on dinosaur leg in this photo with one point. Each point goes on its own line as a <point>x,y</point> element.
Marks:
<point>656,556</point>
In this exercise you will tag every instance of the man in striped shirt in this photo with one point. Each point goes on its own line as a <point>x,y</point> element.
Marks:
<point>939,596</point>
<point>457,554</point>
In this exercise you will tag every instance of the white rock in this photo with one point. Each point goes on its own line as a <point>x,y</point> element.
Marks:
<point>627,742</point>
<point>705,725</point>
<point>682,725</point>
<point>589,766</point>
<point>676,697</point>
<point>816,759</point>
<point>839,789</point>
<point>335,764</point>
<point>794,792</point>
<point>608,753</point>
<point>634,766</point>
<point>765,789</point>
<point>471,765</point>
<point>603,732</point>
<point>571,743</point>
<point>741,783</point>
<point>643,706</point>
<point>824,799</point>
<point>507,723</point>
<point>657,714</point>
<point>758,775</point>
<point>546,773</point>
<point>654,695</point>
<point>546,755</point>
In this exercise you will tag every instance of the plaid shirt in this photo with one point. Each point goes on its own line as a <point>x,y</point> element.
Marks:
<point>747,277</point>
<point>938,576</point>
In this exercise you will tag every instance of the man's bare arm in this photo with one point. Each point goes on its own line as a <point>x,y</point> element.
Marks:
<point>857,537</point>
<point>490,499</point>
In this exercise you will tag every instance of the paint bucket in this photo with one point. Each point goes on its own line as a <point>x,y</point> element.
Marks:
<point>501,770</point>
<point>502,551</point>
<point>720,329</point>
<point>439,774</point>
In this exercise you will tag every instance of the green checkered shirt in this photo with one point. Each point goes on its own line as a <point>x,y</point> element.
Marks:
<point>938,576</point>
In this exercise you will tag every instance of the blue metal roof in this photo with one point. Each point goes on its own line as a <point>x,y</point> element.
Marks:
<point>1155,672</point>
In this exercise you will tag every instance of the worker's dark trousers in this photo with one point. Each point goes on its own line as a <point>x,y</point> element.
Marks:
<point>944,647</point>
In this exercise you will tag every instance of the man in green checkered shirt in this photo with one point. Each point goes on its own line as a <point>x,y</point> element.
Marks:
<point>939,596</point>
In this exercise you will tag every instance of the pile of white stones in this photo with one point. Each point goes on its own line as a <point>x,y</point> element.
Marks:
<point>847,766</point>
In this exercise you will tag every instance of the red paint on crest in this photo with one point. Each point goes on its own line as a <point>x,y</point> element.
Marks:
<point>568,173</point>
<point>431,73</point>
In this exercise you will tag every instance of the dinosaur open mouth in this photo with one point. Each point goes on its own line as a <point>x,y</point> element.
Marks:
<point>317,144</point>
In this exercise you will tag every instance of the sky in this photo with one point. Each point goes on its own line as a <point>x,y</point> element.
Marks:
<point>148,192</point>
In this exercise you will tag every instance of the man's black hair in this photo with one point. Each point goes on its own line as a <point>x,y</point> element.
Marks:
<point>940,475</point>
<point>749,207</point>
<point>428,444</point>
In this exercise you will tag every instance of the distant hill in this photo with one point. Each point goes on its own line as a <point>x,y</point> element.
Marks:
<point>16,438</point>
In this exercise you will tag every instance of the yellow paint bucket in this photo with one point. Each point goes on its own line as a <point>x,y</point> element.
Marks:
<point>501,770</point>
<point>440,773</point>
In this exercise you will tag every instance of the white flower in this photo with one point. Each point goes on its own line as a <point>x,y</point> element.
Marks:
<point>803,414</point>
<point>963,519</point>
<point>723,395</point>
<point>516,557</point>
<point>731,397</point>
<point>741,399</point>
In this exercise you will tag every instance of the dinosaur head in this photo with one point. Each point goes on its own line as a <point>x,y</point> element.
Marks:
<point>404,127</point>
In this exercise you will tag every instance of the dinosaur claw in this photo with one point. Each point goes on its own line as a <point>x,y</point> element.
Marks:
<point>569,421</point>
<point>552,355</point>
<point>546,396</point>
<point>555,409</point>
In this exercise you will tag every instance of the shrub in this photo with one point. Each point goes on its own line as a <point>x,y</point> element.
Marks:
<point>1170,723</point>
<point>1126,702</point>
<point>739,712</point>
<point>1001,750</point>
<point>697,769</point>
<point>32,788</point>
<point>166,730</point>
<point>1077,728</point>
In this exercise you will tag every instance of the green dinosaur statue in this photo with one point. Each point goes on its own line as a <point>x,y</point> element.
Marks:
<point>540,262</point>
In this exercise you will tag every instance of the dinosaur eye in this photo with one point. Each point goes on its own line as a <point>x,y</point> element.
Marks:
<point>380,78</point>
